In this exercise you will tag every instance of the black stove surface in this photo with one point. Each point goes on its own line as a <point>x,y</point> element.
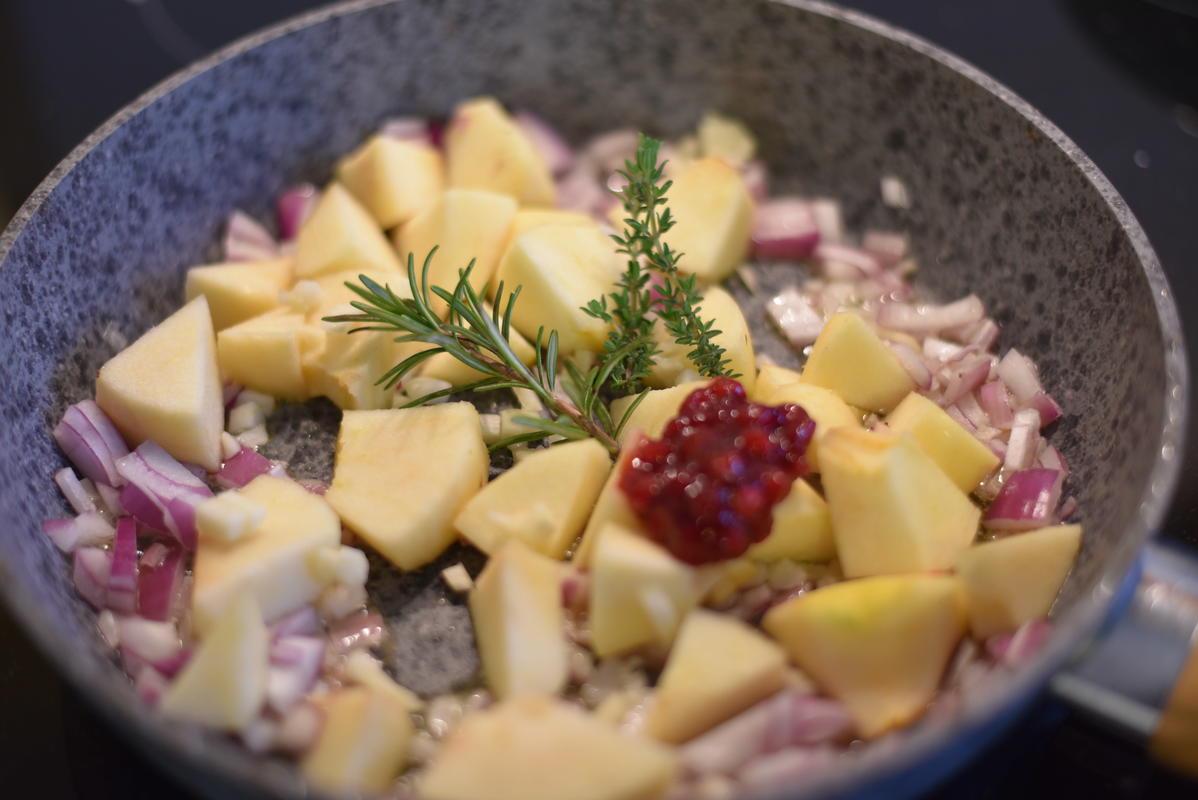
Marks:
<point>1118,76</point>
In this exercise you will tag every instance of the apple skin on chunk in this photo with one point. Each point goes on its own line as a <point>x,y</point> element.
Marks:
<point>957,451</point>
<point>238,291</point>
<point>721,308</point>
<point>516,606</point>
<point>363,743</point>
<point>271,562</point>
<point>393,179</point>
<point>713,213</point>
<point>851,359</point>
<point>166,388</point>
<point>341,236</point>
<point>486,149</point>
<point>538,748</point>
<point>879,645</point>
<point>543,500</point>
<point>401,476</point>
<point>718,667</point>
<point>639,593</point>
<point>561,268</point>
<point>824,407</point>
<point>893,510</point>
<point>1016,579</point>
<point>223,684</point>
<point>464,225</point>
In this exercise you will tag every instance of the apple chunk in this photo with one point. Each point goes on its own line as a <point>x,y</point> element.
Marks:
<point>713,213</point>
<point>267,353</point>
<point>363,743</point>
<point>516,605</point>
<point>401,476</point>
<point>880,645</point>
<point>486,149</point>
<point>239,291</point>
<point>393,179</point>
<point>165,388</point>
<point>538,748</point>
<point>1015,580</point>
<point>852,360</point>
<point>957,451</point>
<point>339,236</point>
<point>719,666</point>
<point>801,530</point>
<point>721,308</point>
<point>543,501</point>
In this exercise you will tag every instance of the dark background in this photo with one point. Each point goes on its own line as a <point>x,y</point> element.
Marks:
<point>1118,76</point>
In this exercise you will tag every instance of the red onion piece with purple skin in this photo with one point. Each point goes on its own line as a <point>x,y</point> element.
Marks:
<point>162,494</point>
<point>242,468</point>
<point>861,262</point>
<point>784,229</point>
<point>292,207</point>
<point>90,574</point>
<point>150,685</point>
<point>993,398</point>
<point>91,442</point>
<point>246,239</point>
<point>122,578</point>
<point>295,663</point>
<point>1028,500</point>
<point>301,622</point>
<point>160,587</point>
<point>86,530</point>
<point>924,319</point>
<point>545,139</point>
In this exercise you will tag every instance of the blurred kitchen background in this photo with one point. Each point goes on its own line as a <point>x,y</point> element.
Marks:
<point>1119,76</point>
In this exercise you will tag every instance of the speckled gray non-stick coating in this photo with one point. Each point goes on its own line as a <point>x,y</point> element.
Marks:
<point>1004,206</point>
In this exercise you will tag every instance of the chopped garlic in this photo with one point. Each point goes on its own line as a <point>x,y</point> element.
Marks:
<point>457,578</point>
<point>362,668</point>
<point>245,416</point>
<point>263,401</point>
<point>229,446</point>
<point>305,296</point>
<point>254,438</point>
<point>228,517</point>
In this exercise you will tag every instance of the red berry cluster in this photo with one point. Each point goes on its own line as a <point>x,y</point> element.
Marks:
<point>706,489</point>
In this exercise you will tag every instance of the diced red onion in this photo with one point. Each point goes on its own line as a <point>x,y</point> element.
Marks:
<point>1050,457</point>
<point>1049,410</point>
<point>313,486</point>
<point>792,312</point>
<point>828,219</point>
<point>292,207</point>
<point>983,334</point>
<point>170,667</point>
<point>160,586</point>
<point>930,318</point>
<point>1028,500</point>
<point>579,190</point>
<point>77,496</point>
<point>150,685</point>
<point>974,413</point>
<point>162,494</point>
<point>575,589</point>
<point>887,248</point>
<point>961,419</point>
<point>90,574</point>
<point>829,253</point>
<point>1013,650</point>
<point>91,442</point>
<point>913,363</point>
<point>1068,508</point>
<point>122,578</point>
<point>296,662</point>
<point>301,622</point>
<point>110,499</point>
<point>359,629</point>
<point>1020,375</point>
<point>247,240</point>
<point>86,530</point>
<point>409,129</point>
<point>608,151</point>
<point>229,394</point>
<point>963,379</point>
<point>835,296</point>
<point>547,141</point>
<point>154,556</point>
<point>941,350</point>
<point>784,229</point>
<point>150,641</point>
<point>993,398</point>
<point>110,632</point>
<point>757,179</point>
<point>1024,441</point>
<point>243,468</point>
<point>785,768</point>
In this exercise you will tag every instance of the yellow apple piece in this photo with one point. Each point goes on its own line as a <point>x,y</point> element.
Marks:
<point>401,476</point>
<point>957,451</point>
<point>543,501</point>
<point>851,359</point>
<point>334,293</point>
<point>165,387</point>
<point>824,407</point>
<point>528,218</point>
<point>718,667</point>
<point>893,509</point>
<point>719,306</point>
<point>464,225</point>
<point>639,593</point>
<point>538,748</point>
<point>801,530</point>
<point>272,562</point>
<point>363,743</point>
<point>651,415</point>
<point>238,291</point>
<point>713,213</point>
<point>880,645</point>
<point>561,268</point>
<point>486,149</point>
<point>611,509</point>
<point>1014,580</point>
<point>223,684</point>
<point>267,353</point>
<point>726,138</point>
<point>769,378</point>
<point>395,180</point>
<point>341,236</point>
<point>362,669</point>
<point>516,607</point>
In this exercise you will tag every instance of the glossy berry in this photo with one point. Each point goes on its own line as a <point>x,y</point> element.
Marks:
<point>707,488</point>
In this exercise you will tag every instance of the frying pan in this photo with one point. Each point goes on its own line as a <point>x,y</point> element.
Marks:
<point>1004,205</point>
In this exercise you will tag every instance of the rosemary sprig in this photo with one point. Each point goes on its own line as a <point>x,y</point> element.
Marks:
<point>478,338</point>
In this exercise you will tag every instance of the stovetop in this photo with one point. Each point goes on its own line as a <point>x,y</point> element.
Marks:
<point>1118,76</point>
